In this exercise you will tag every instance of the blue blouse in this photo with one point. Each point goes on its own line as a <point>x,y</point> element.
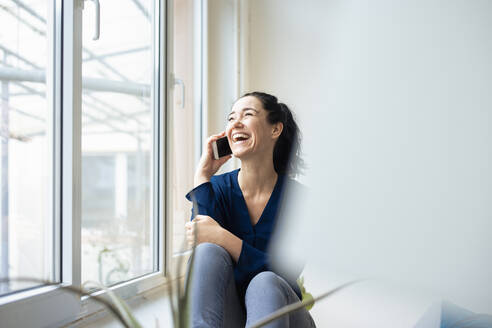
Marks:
<point>223,200</point>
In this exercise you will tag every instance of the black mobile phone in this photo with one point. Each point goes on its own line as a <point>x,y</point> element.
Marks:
<point>221,148</point>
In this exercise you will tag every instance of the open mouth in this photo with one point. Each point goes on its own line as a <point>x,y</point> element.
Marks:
<point>239,137</point>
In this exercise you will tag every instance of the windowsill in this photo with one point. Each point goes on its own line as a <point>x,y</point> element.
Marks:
<point>150,307</point>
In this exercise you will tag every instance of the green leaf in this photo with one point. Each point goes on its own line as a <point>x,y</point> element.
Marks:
<point>306,297</point>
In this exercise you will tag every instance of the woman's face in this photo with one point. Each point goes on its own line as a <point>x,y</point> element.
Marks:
<point>248,129</point>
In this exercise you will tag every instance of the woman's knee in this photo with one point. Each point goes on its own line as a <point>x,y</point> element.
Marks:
<point>210,249</point>
<point>212,253</point>
<point>266,280</point>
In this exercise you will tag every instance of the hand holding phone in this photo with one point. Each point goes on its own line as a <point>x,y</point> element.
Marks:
<point>215,154</point>
<point>221,147</point>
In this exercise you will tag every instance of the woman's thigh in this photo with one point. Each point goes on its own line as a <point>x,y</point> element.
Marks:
<point>268,292</point>
<point>214,299</point>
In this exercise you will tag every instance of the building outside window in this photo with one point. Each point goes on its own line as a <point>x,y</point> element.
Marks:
<point>93,167</point>
<point>83,163</point>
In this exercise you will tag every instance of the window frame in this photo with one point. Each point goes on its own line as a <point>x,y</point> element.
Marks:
<point>50,305</point>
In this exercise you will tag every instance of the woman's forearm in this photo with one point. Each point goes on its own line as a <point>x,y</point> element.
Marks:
<point>231,244</point>
<point>200,178</point>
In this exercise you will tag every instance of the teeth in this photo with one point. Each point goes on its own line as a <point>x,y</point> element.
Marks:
<point>235,136</point>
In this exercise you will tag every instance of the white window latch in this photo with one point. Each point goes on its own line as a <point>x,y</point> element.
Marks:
<point>97,19</point>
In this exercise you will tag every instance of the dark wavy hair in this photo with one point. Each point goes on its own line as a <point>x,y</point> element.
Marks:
<point>286,153</point>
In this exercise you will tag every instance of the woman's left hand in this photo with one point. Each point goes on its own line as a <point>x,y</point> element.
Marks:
<point>207,230</point>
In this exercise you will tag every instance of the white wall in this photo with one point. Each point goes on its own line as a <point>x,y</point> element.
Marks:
<point>394,101</point>
<point>286,52</point>
<point>221,66</point>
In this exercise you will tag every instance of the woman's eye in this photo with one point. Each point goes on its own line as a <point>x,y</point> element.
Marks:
<point>248,114</point>
<point>230,119</point>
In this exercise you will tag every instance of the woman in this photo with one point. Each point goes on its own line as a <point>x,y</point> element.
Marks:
<point>236,212</point>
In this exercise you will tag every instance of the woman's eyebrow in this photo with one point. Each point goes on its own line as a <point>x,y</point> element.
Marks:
<point>242,110</point>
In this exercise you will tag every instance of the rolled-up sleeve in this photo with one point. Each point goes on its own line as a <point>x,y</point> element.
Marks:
<point>205,202</point>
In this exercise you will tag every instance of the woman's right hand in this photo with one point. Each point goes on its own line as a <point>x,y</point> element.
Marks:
<point>208,165</point>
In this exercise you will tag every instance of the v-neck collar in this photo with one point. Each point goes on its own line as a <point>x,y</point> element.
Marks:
<point>267,206</point>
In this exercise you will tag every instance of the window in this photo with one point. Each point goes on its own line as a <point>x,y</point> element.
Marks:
<point>117,144</point>
<point>82,167</point>
<point>26,239</point>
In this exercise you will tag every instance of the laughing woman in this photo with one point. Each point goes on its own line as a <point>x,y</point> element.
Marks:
<point>232,282</point>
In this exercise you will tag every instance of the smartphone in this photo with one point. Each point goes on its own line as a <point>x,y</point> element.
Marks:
<point>221,148</point>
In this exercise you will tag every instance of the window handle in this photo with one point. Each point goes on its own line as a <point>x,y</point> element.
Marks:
<point>97,21</point>
<point>181,83</point>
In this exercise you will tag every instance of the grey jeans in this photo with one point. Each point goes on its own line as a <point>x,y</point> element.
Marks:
<point>215,302</point>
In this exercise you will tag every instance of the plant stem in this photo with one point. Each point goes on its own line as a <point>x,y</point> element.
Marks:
<point>75,290</point>
<point>299,305</point>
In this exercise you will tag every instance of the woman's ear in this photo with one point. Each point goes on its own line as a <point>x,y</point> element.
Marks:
<point>277,129</point>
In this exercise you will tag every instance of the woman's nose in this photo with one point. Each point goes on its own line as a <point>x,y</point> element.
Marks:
<point>237,122</point>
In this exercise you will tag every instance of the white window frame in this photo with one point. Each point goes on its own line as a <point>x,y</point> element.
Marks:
<point>50,305</point>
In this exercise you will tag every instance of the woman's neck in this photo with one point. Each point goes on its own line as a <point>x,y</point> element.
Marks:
<point>257,176</point>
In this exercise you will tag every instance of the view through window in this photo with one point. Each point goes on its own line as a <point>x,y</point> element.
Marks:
<point>117,143</point>
<point>26,239</point>
<point>119,147</point>
<point>120,151</point>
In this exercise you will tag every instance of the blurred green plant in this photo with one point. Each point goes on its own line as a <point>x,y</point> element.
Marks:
<point>179,302</point>
<point>178,293</point>
<point>179,296</point>
<point>114,304</point>
<point>305,295</point>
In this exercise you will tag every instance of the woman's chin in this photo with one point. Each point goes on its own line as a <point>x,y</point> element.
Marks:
<point>237,154</point>
<point>240,153</point>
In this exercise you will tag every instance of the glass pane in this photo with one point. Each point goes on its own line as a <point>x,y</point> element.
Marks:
<point>25,167</point>
<point>117,143</point>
